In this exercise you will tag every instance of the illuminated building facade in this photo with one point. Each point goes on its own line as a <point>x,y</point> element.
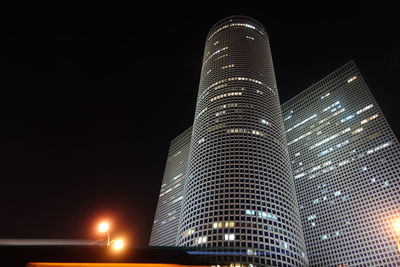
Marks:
<point>240,195</point>
<point>166,219</point>
<point>345,161</point>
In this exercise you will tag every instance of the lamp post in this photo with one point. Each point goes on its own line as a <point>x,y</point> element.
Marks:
<point>117,244</point>
<point>104,227</point>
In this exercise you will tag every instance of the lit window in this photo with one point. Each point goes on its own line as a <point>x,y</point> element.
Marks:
<point>251,252</point>
<point>241,130</point>
<point>201,112</point>
<point>300,175</point>
<point>299,138</point>
<point>332,115</point>
<point>239,79</point>
<point>351,79</point>
<point>229,237</point>
<point>327,163</point>
<point>364,168</point>
<point>264,122</point>
<point>315,169</point>
<point>301,123</point>
<point>357,131</point>
<point>311,217</point>
<point>337,193</point>
<point>224,55</point>
<point>216,127</point>
<point>234,24</point>
<point>213,54</point>
<point>347,118</point>
<point>177,199</point>
<point>331,106</point>
<point>249,37</point>
<point>188,232</point>
<point>324,141</point>
<point>342,163</point>
<point>284,245</point>
<point>228,66</point>
<point>379,147</point>
<point>261,214</point>
<point>327,94</point>
<point>216,42</point>
<point>223,224</point>
<point>201,240</point>
<point>176,154</point>
<point>178,176</point>
<point>288,117</point>
<point>369,119</point>
<point>220,113</point>
<point>364,109</point>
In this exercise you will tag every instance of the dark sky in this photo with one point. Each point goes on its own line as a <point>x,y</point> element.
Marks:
<point>94,94</point>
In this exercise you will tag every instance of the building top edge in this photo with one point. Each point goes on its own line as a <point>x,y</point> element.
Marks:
<point>331,75</point>
<point>235,18</point>
<point>185,133</point>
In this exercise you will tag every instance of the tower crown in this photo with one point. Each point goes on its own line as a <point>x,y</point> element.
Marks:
<point>236,21</point>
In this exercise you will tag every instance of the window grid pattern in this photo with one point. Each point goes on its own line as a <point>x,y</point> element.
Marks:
<point>239,171</point>
<point>168,210</point>
<point>346,170</point>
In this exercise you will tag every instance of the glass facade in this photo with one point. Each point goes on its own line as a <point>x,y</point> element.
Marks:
<point>240,203</point>
<point>345,161</point>
<point>252,175</point>
<point>166,219</point>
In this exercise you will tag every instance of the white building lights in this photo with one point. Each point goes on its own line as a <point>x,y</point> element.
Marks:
<point>238,115</point>
<point>235,196</point>
<point>171,193</point>
<point>345,171</point>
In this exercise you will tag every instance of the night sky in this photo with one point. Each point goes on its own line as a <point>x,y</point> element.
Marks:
<point>94,94</point>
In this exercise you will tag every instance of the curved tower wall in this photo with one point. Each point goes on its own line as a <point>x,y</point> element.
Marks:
<point>240,191</point>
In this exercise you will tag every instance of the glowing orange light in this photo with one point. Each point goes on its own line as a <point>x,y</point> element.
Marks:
<point>104,227</point>
<point>396,226</point>
<point>118,244</point>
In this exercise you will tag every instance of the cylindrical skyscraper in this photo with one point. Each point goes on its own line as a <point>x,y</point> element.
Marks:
<point>239,195</point>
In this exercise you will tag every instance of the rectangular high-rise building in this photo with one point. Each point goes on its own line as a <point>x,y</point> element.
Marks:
<point>345,162</point>
<point>166,220</point>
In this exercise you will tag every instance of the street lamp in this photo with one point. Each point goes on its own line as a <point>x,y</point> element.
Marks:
<point>118,244</point>
<point>104,227</point>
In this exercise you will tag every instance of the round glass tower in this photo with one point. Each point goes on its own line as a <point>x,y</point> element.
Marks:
<point>240,202</point>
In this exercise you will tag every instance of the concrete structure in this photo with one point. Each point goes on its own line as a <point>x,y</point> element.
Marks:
<point>345,161</point>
